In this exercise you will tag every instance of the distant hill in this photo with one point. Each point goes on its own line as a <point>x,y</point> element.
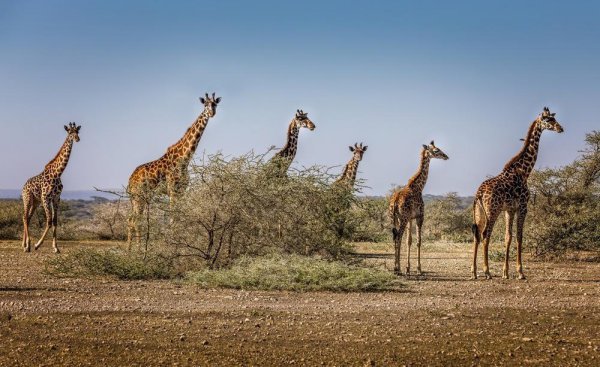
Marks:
<point>66,195</point>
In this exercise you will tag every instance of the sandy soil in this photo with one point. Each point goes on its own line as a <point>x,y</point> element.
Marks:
<point>442,318</point>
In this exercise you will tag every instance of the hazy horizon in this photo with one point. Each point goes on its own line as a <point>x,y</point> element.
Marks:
<point>394,75</point>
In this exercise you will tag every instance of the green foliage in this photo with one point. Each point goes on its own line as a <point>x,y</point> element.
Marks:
<point>565,210</point>
<point>295,273</point>
<point>447,219</point>
<point>114,262</point>
<point>11,221</point>
<point>236,207</point>
<point>369,219</point>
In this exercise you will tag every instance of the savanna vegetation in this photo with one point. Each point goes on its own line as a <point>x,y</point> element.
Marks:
<point>237,214</point>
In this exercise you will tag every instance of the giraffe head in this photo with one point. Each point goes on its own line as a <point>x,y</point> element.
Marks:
<point>301,120</point>
<point>210,103</point>
<point>547,121</point>
<point>358,150</point>
<point>432,151</point>
<point>73,131</point>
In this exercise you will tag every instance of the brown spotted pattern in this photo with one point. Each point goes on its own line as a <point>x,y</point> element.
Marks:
<point>170,168</point>
<point>45,189</point>
<point>351,169</point>
<point>283,159</point>
<point>406,205</point>
<point>508,193</point>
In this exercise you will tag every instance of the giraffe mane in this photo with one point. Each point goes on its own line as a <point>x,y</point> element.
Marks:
<point>521,152</point>
<point>418,174</point>
<point>49,164</point>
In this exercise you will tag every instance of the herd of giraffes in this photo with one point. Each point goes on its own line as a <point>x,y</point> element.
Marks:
<point>506,192</point>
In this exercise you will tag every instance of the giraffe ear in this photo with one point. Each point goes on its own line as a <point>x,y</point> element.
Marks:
<point>365,148</point>
<point>202,100</point>
<point>425,147</point>
<point>66,128</point>
<point>432,143</point>
<point>78,128</point>
<point>351,148</point>
<point>218,100</point>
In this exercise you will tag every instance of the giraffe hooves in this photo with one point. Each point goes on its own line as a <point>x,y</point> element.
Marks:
<point>27,249</point>
<point>473,276</point>
<point>397,272</point>
<point>522,276</point>
<point>407,271</point>
<point>488,276</point>
<point>56,250</point>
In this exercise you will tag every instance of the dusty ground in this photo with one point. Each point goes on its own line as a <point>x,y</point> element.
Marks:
<point>442,318</point>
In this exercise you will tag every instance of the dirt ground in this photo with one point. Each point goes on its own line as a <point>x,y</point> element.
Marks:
<point>441,318</point>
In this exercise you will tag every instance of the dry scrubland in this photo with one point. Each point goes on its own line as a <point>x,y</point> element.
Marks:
<point>253,268</point>
<point>441,318</point>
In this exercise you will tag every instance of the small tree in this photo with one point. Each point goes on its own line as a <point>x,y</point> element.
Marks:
<point>565,210</point>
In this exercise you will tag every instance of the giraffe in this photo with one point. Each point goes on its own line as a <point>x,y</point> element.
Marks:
<point>508,192</point>
<point>406,204</point>
<point>351,169</point>
<point>171,167</point>
<point>282,160</point>
<point>343,188</point>
<point>45,189</point>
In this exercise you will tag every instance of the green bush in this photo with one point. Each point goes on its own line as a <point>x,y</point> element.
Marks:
<point>447,219</point>
<point>295,273</point>
<point>11,220</point>
<point>114,262</point>
<point>565,209</point>
<point>235,207</point>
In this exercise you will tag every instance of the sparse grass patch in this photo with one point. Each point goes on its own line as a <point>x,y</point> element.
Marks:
<point>112,262</point>
<point>295,273</point>
<point>499,254</point>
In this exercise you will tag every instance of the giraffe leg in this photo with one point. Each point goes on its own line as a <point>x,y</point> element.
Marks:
<point>396,252</point>
<point>477,233</point>
<point>520,222</point>
<point>55,223</point>
<point>398,232</point>
<point>408,245</point>
<point>47,204</point>
<point>487,234</point>
<point>419,229</point>
<point>29,207</point>
<point>476,241</point>
<point>507,240</point>
<point>133,230</point>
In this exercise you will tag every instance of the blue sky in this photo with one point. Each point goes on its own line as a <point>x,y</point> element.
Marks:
<point>470,74</point>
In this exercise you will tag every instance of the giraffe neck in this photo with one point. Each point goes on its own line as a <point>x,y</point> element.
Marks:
<point>418,181</point>
<point>523,162</point>
<point>185,148</point>
<point>57,165</point>
<point>291,145</point>
<point>350,171</point>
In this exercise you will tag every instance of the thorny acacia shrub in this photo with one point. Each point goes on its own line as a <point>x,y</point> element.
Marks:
<point>238,206</point>
<point>565,208</point>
